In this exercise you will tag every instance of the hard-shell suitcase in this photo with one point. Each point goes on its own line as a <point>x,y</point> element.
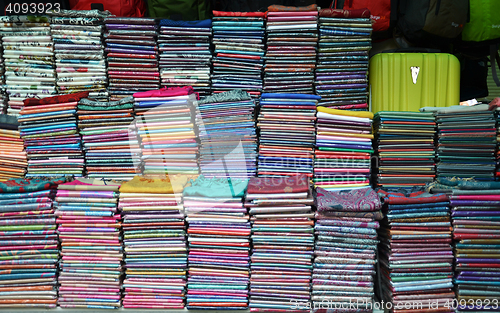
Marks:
<point>410,81</point>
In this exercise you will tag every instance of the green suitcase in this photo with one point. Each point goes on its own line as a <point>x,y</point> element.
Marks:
<point>410,81</point>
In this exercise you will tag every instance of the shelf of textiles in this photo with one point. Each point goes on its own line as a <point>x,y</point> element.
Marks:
<point>188,241</point>
<point>182,241</point>
<point>113,57</point>
<point>172,130</point>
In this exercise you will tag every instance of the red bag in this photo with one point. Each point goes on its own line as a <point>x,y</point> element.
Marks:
<point>380,11</point>
<point>120,8</point>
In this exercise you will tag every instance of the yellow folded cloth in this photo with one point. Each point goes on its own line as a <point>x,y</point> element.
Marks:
<point>363,114</point>
<point>157,184</point>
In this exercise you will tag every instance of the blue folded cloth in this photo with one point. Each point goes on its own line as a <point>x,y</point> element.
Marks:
<point>199,24</point>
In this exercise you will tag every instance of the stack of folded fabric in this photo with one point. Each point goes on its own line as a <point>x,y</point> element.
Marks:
<point>109,138</point>
<point>283,243</point>
<point>164,121</point>
<point>341,72</point>
<point>219,244</point>
<point>343,149</point>
<point>13,160</point>
<point>91,249</point>
<point>287,134</point>
<point>79,52</point>
<point>415,255</point>
<point>29,59</point>
<point>49,130</point>
<point>28,241</point>
<point>132,55</point>
<point>185,54</point>
<point>239,51</point>
<point>228,139</point>
<point>497,172</point>
<point>466,142</point>
<point>404,148</point>
<point>346,246</point>
<point>475,210</point>
<point>154,239</point>
<point>3,94</point>
<point>292,37</point>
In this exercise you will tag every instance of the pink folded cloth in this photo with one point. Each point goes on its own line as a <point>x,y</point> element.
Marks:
<point>476,197</point>
<point>167,92</point>
<point>292,13</point>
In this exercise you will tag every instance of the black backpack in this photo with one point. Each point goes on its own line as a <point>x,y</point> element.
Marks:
<point>432,23</point>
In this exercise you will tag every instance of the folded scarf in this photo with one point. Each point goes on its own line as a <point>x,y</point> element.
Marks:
<point>356,200</point>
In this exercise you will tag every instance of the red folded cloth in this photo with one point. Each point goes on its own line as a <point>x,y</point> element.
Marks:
<point>72,97</point>
<point>242,14</point>
<point>359,13</point>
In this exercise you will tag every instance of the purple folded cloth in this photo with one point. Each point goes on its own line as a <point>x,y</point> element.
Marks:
<point>480,278</point>
<point>496,274</point>
<point>270,294</point>
<point>342,86</point>
<point>342,283</point>
<point>475,213</point>
<point>474,203</point>
<point>483,261</point>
